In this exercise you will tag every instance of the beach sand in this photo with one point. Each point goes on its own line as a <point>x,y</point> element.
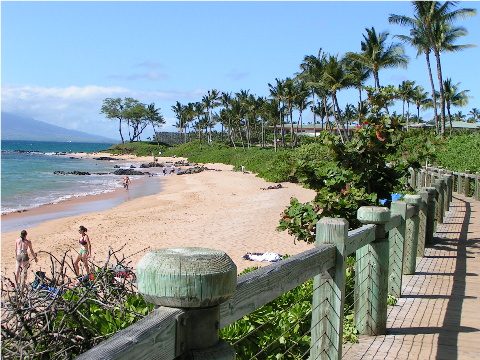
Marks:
<point>224,210</point>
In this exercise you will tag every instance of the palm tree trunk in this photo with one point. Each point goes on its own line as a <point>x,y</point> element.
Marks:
<point>434,96</point>
<point>442,93</point>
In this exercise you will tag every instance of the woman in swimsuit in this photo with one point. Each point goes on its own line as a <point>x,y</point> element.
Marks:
<point>21,254</point>
<point>84,252</point>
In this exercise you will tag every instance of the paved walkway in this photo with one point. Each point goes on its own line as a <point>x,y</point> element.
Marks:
<point>438,315</point>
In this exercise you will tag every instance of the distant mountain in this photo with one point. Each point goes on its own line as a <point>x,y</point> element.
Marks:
<point>16,127</point>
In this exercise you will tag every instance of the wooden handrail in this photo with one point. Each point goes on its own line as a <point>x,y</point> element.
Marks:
<point>156,336</point>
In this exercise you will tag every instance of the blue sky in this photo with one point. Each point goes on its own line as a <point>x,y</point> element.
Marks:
<point>60,59</point>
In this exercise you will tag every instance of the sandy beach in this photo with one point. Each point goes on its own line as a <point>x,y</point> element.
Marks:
<point>225,210</point>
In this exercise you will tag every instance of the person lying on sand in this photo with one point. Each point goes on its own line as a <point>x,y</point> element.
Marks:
<point>278,186</point>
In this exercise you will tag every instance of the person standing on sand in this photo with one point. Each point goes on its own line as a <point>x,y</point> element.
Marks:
<point>21,254</point>
<point>243,169</point>
<point>84,252</point>
<point>126,182</point>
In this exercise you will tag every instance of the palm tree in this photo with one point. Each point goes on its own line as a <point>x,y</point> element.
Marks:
<point>312,70</point>
<point>430,20</point>
<point>210,101</point>
<point>376,54</point>
<point>419,39</point>
<point>405,90</point>
<point>419,98</point>
<point>154,117</point>
<point>360,73</point>
<point>335,78</point>
<point>277,92</point>
<point>272,111</point>
<point>475,114</point>
<point>454,97</point>
<point>301,101</point>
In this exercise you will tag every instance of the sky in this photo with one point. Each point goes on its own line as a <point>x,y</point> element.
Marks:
<point>61,59</point>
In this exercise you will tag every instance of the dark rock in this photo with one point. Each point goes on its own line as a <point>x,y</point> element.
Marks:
<point>104,158</point>
<point>150,164</point>
<point>132,167</point>
<point>192,170</point>
<point>130,172</point>
<point>71,173</point>
<point>116,167</point>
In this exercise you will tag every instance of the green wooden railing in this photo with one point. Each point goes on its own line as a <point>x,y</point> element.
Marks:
<point>197,292</point>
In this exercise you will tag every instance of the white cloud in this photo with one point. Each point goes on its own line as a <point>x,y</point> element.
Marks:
<point>78,108</point>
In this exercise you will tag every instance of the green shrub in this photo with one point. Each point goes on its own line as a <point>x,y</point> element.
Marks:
<point>460,153</point>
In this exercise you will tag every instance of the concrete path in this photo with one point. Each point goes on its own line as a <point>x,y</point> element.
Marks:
<point>438,315</point>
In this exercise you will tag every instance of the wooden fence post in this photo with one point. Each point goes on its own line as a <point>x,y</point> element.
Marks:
<point>431,214</point>
<point>477,186</point>
<point>459,183</point>
<point>422,233</point>
<point>371,275</point>
<point>413,178</point>
<point>466,185</point>
<point>440,186</point>
<point>198,280</point>
<point>329,294</point>
<point>412,235</point>
<point>449,191</point>
<point>396,240</point>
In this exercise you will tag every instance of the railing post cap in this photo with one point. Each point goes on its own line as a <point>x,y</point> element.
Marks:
<point>373,215</point>
<point>413,199</point>
<point>430,189</point>
<point>186,277</point>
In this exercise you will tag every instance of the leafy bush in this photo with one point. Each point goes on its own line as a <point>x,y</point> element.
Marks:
<point>143,148</point>
<point>56,317</point>
<point>460,153</point>
<point>282,327</point>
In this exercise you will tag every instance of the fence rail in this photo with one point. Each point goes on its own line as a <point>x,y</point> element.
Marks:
<point>197,291</point>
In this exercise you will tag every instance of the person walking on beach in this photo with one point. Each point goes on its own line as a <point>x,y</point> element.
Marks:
<point>243,169</point>
<point>84,251</point>
<point>21,254</point>
<point>126,182</point>
<point>164,169</point>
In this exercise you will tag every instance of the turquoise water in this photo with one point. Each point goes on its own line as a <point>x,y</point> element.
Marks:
<point>28,180</point>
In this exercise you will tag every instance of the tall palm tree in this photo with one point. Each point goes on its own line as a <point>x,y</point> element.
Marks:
<point>419,98</point>
<point>454,97</point>
<point>301,102</point>
<point>376,54</point>
<point>210,101</point>
<point>405,90</point>
<point>335,78</point>
<point>155,118</point>
<point>312,70</point>
<point>272,111</point>
<point>475,114</point>
<point>360,73</point>
<point>430,17</point>
<point>277,91</point>
<point>419,39</point>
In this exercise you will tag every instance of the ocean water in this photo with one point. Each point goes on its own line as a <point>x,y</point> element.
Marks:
<point>28,179</point>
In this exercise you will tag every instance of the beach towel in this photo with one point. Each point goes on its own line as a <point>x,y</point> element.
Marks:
<point>268,256</point>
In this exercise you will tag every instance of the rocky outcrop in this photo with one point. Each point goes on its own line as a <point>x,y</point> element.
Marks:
<point>192,170</point>
<point>105,158</point>
<point>71,173</point>
<point>150,165</point>
<point>130,172</point>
